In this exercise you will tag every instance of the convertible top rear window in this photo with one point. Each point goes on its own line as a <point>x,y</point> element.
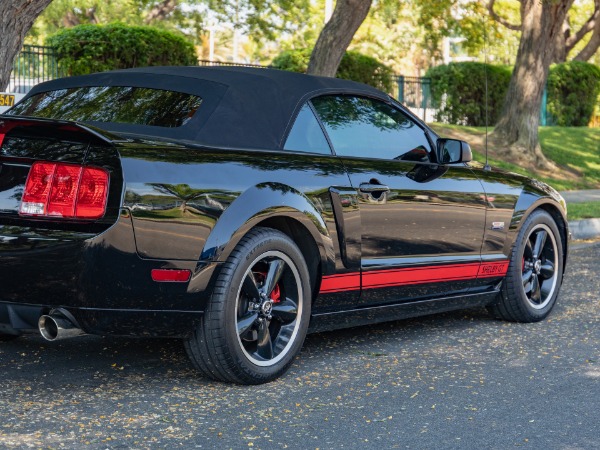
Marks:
<point>116,104</point>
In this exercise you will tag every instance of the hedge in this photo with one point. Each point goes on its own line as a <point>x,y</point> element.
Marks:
<point>573,90</point>
<point>95,48</point>
<point>458,92</point>
<point>354,66</point>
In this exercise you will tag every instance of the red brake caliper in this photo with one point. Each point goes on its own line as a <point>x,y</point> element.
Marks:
<point>276,294</point>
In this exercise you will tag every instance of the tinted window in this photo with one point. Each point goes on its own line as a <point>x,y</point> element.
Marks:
<point>119,104</point>
<point>370,128</point>
<point>306,134</point>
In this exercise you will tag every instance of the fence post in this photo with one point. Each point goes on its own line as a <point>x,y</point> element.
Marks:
<point>425,94</point>
<point>401,88</point>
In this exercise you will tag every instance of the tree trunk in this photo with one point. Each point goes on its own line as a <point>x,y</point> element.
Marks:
<point>517,128</point>
<point>336,36</point>
<point>16,18</point>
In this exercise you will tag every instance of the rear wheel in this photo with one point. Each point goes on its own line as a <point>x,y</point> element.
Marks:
<point>258,314</point>
<point>535,272</point>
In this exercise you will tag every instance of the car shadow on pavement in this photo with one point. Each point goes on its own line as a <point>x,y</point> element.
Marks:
<point>86,360</point>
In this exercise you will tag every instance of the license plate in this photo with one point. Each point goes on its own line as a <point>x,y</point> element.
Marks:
<point>7,100</point>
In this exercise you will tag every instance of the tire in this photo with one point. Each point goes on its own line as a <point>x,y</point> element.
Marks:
<point>535,272</point>
<point>256,320</point>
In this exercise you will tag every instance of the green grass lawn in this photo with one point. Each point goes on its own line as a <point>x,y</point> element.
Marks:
<point>587,210</point>
<point>576,148</point>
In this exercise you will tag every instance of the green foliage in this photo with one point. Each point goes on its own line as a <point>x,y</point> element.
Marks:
<point>573,90</point>
<point>358,67</point>
<point>293,60</point>
<point>458,91</point>
<point>95,48</point>
<point>172,15</point>
<point>354,66</point>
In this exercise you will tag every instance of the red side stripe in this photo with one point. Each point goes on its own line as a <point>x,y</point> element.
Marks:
<point>420,275</point>
<point>340,283</point>
<point>416,275</point>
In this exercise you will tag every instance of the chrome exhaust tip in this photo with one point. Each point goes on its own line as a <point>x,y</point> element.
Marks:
<point>57,325</point>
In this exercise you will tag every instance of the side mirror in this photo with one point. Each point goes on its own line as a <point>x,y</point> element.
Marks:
<point>451,151</point>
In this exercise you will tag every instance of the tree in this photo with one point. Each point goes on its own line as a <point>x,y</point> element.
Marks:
<point>169,14</point>
<point>16,18</point>
<point>566,40</point>
<point>517,128</point>
<point>336,36</point>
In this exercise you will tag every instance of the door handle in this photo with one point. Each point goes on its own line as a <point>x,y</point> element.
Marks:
<point>370,188</point>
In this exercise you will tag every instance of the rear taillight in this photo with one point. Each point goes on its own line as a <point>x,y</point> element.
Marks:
<point>65,190</point>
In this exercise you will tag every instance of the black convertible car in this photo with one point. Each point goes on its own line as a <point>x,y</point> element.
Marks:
<point>241,208</point>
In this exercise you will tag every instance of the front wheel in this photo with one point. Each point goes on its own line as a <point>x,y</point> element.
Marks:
<point>535,272</point>
<point>257,317</point>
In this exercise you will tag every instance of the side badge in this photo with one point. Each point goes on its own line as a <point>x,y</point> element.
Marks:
<point>497,225</point>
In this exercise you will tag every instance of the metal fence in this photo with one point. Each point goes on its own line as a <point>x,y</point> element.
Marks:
<point>33,65</point>
<point>415,94</point>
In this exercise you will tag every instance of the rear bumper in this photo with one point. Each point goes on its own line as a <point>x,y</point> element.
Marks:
<point>23,319</point>
<point>99,279</point>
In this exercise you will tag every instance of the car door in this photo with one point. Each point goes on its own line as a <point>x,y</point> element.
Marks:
<point>421,223</point>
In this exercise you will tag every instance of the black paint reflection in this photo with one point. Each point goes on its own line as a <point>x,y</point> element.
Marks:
<point>117,104</point>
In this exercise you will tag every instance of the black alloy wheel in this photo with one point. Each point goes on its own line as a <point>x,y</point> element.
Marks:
<point>540,260</point>
<point>535,273</point>
<point>268,308</point>
<point>256,321</point>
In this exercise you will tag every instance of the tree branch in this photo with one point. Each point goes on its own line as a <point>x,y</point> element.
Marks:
<point>591,47</point>
<point>160,11</point>
<point>585,29</point>
<point>501,20</point>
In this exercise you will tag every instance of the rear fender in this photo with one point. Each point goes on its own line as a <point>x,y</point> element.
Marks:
<point>261,202</point>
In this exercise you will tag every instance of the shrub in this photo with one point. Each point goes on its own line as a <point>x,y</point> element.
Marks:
<point>95,48</point>
<point>458,92</point>
<point>292,60</point>
<point>573,89</point>
<point>354,66</point>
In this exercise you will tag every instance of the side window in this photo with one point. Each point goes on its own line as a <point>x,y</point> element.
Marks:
<point>306,134</point>
<point>370,128</point>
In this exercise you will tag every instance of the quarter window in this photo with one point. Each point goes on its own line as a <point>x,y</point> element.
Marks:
<point>368,128</point>
<point>306,134</point>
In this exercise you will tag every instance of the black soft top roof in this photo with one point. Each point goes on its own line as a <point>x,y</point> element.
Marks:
<point>241,107</point>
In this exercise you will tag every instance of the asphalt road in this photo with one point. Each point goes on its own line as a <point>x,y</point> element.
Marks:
<point>458,380</point>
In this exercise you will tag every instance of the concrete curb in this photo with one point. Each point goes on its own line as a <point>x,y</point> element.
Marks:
<point>585,229</point>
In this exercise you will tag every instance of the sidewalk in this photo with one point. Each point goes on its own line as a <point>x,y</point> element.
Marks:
<point>586,228</point>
